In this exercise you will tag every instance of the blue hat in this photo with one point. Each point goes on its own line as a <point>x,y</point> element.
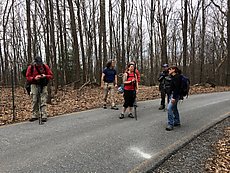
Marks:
<point>165,65</point>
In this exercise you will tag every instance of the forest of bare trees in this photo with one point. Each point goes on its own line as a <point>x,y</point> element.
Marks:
<point>77,37</point>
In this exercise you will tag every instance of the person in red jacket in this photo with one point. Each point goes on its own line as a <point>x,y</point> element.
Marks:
<point>39,75</point>
<point>130,90</point>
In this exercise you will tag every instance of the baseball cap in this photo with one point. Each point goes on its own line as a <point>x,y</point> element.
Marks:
<point>165,65</point>
<point>38,60</point>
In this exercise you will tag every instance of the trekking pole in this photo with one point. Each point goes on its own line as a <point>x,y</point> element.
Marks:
<point>39,104</point>
<point>135,110</point>
<point>135,107</point>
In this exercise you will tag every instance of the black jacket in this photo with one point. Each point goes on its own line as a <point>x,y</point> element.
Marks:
<point>175,86</point>
<point>165,81</point>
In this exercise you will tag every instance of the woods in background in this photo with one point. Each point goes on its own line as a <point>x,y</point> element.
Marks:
<point>76,38</point>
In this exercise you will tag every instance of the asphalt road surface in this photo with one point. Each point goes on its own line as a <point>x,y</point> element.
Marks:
<point>98,141</point>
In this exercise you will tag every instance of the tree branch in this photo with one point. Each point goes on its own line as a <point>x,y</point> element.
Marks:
<point>224,13</point>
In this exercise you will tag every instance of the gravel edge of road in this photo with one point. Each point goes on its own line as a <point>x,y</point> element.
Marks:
<point>192,154</point>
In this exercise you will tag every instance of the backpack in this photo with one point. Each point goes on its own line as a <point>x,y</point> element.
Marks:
<point>185,86</point>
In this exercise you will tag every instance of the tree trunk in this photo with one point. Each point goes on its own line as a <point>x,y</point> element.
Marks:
<point>123,34</point>
<point>228,44</point>
<point>202,44</point>
<point>184,29</point>
<point>62,51</point>
<point>29,36</point>
<point>75,46</point>
<point>81,41</point>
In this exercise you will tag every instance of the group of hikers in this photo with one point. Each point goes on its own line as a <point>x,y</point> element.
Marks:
<point>39,74</point>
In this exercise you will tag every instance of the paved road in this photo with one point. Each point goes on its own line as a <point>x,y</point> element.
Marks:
<point>97,141</point>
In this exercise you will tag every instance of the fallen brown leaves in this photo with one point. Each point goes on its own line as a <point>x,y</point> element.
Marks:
<point>220,163</point>
<point>68,100</point>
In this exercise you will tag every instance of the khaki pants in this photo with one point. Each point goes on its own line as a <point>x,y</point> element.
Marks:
<point>109,87</point>
<point>39,101</point>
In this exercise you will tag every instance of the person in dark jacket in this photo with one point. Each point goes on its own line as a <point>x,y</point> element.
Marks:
<point>173,113</point>
<point>164,85</point>
<point>38,75</point>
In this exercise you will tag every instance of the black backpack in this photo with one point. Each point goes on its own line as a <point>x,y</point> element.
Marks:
<point>185,86</point>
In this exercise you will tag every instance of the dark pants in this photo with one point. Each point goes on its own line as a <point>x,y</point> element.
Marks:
<point>163,95</point>
<point>129,97</point>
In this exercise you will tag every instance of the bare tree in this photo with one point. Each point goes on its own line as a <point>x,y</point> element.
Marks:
<point>228,43</point>
<point>184,29</point>
<point>75,45</point>
<point>81,40</point>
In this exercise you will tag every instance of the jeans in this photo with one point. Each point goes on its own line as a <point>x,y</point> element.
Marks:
<point>173,113</point>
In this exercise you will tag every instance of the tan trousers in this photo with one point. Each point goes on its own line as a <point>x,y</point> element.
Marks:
<point>39,101</point>
<point>109,87</point>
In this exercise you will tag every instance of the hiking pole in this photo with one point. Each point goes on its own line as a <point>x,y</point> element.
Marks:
<point>135,110</point>
<point>135,106</point>
<point>39,104</point>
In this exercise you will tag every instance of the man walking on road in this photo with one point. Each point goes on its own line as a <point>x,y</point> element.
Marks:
<point>39,75</point>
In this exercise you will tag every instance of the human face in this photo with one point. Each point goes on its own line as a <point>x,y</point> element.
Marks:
<point>131,68</point>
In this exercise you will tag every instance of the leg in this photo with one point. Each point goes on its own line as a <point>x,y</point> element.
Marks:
<point>162,100</point>
<point>34,95</point>
<point>44,95</point>
<point>170,116</point>
<point>113,106</point>
<point>176,115</point>
<point>105,94</point>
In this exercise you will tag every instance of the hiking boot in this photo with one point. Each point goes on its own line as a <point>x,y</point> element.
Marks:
<point>169,128</point>
<point>130,115</point>
<point>114,107</point>
<point>104,106</point>
<point>122,116</point>
<point>33,119</point>
<point>44,119</point>
<point>161,107</point>
<point>177,124</point>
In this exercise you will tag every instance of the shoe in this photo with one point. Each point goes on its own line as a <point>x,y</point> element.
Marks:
<point>130,115</point>
<point>169,128</point>
<point>33,119</point>
<point>177,124</point>
<point>161,107</point>
<point>104,106</point>
<point>122,116</point>
<point>114,107</point>
<point>44,119</point>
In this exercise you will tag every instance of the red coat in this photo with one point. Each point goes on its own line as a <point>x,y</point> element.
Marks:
<point>30,75</point>
<point>130,86</point>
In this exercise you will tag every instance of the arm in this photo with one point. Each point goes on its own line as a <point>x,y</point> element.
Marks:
<point>115,81</point>
<point>29,75</point>
<point>102,80</point>
<point>49,73</point>
<point>125,79</point>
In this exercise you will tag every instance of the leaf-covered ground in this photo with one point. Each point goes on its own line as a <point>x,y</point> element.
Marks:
<point>68,100</point>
